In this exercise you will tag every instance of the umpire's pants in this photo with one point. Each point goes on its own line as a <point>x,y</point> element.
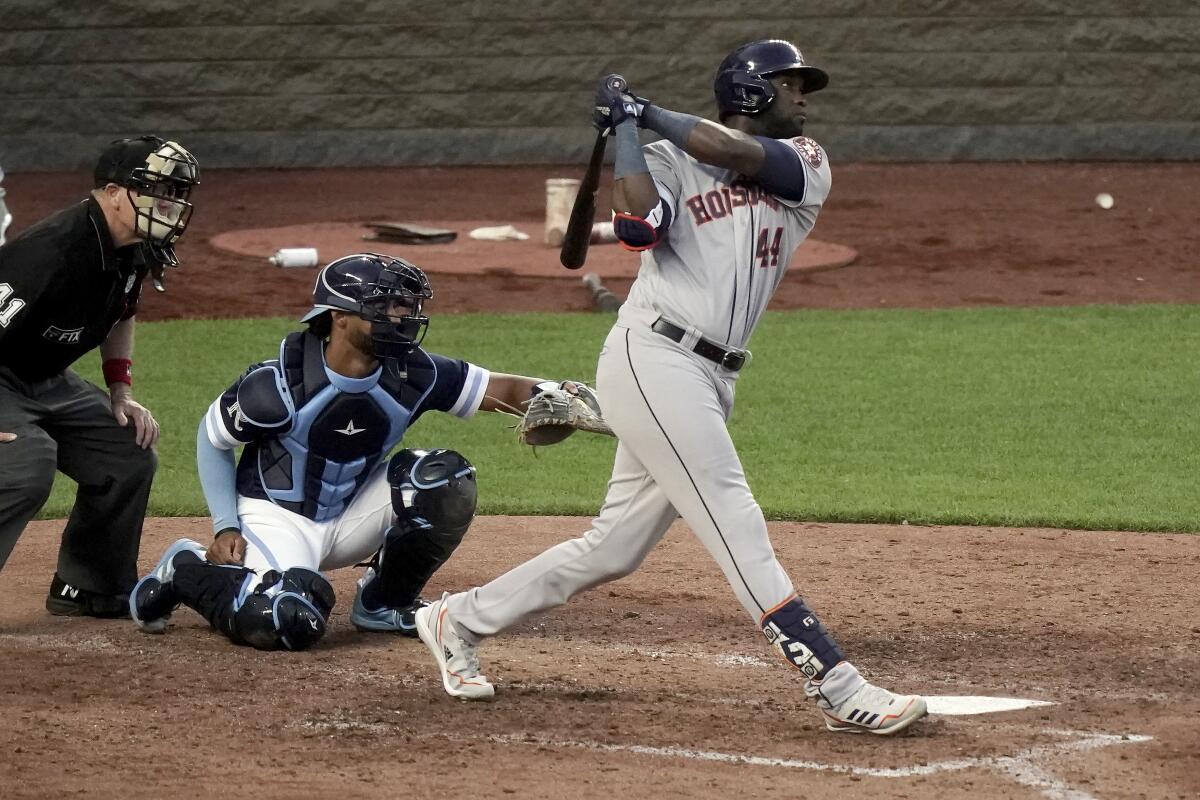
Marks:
<point>66,423</point>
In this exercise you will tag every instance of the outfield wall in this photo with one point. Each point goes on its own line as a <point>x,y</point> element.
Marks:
<point>388,82</point>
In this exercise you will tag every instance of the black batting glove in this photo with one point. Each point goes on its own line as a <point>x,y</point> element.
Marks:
<point>615,104</point>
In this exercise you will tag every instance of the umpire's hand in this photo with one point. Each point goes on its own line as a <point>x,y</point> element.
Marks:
<point>126,410</point>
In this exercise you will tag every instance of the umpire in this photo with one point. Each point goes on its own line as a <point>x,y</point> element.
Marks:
<point>68,284</point>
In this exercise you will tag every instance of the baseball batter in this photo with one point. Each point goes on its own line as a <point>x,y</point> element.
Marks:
<point>717,211</point>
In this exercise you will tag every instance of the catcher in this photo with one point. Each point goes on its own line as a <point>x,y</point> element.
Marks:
<point>314,489</point>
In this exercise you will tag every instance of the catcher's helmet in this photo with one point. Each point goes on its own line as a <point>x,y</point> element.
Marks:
<point>741,84</point>
<point>162,174</point>
<point>386,291</point>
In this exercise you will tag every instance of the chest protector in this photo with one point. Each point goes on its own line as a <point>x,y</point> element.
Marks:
<point>329,433</point>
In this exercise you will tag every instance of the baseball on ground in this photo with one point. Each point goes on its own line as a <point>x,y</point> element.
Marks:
<point>1104,200</point>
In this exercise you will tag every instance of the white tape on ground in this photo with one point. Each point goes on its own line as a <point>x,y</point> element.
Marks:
<point>1022,767</point>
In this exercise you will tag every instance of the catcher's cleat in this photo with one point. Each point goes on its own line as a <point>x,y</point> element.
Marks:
<point>153,599</point>
<point>65,600</point>
<point>456,657</point>
<point>395,620</point>
<point>873,710</point>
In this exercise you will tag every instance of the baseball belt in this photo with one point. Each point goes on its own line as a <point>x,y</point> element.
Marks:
<point>730,359</point>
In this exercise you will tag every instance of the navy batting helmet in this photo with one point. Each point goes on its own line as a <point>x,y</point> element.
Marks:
<point>741,84</point>
<point>386,291</point>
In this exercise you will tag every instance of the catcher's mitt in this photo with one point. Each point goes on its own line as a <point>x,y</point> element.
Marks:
<point>554,414</point>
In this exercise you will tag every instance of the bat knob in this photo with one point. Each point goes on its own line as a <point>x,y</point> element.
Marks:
<point>616,83</point>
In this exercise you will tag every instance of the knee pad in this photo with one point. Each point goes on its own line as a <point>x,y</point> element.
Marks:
<point>288,610</point>
<point>437,486</point>
<point>802,639</point>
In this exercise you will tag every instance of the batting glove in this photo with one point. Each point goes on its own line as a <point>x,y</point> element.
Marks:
<point>615,104</point>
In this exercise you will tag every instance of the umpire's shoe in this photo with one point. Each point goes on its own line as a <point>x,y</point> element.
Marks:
<point>152,600</point>
<point>393,620</point>
<point>65,600</point>
<point>455,656</point>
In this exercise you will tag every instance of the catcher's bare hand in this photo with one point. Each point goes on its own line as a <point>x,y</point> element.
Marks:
<point>228,548</point>
<point>126,410</point>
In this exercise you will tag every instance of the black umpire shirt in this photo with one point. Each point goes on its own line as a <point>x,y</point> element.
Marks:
<point>63,286</point>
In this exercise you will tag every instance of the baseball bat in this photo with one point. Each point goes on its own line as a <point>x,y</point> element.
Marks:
<point>579,227</point>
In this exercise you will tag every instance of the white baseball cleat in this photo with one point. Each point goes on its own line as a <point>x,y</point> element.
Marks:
<point>873,710</point>
<point>455,656</point>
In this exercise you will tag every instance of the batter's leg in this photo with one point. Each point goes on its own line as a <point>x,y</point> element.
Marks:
<point>633,519</point>
<point>673,414</point>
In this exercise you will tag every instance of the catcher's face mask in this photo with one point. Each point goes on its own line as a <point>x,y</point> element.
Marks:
<point>394,306</point>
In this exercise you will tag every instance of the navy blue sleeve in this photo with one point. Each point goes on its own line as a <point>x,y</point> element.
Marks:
<point>458,387</point>
<point>781,174</point>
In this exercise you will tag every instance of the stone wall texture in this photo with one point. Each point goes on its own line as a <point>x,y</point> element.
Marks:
<point>395,82</point>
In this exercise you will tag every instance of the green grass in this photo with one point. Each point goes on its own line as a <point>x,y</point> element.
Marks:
<point>1076,417</point>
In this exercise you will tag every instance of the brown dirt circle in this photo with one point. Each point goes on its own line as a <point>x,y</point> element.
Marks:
<point>657,685</point>
<point>527,258</point>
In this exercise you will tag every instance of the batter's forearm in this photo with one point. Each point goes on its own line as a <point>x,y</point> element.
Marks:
<point>634,191</point>
<point>705,141</point>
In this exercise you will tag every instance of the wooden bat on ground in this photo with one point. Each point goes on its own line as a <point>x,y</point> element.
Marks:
<point>579,228</point>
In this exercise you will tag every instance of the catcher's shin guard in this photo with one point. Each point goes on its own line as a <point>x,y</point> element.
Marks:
<point>286,609</point>
<point>412,551</point>
<point>801,638</point>
<point>434,496</point>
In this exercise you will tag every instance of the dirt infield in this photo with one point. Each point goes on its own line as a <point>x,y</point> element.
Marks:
<point>657,685</point>
<point>652,686</point>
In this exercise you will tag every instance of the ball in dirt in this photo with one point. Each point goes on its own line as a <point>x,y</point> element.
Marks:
<point>1104,200</point>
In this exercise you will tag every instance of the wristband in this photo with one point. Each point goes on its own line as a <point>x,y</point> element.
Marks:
<point>118,370</point>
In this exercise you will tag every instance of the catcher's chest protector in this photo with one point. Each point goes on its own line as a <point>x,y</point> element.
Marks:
<point>339,430</point>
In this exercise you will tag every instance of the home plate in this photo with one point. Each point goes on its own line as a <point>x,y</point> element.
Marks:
<point>956,705</point>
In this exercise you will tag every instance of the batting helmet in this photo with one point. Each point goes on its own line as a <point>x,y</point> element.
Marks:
<point>741,84</point>
<point>386,291</point>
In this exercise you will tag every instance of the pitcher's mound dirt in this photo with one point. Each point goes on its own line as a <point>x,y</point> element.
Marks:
<point>466,256</point>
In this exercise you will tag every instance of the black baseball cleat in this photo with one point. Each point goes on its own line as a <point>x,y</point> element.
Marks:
<point>153,599</point>
<point>65,600</point>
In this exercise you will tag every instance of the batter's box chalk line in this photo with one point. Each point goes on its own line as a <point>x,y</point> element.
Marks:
<point>1025,767</point>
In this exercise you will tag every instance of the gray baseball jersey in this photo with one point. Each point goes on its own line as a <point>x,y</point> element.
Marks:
<point>729,243</point>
